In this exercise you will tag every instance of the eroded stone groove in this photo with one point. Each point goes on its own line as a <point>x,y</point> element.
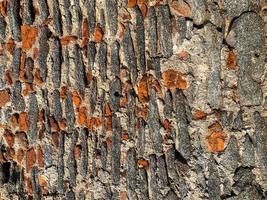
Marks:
<point>133,99</point>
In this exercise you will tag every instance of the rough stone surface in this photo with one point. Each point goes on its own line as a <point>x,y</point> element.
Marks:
<point>133,99</point>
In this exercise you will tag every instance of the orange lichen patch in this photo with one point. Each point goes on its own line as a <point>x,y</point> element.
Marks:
<point>181,8</point>
<point>123,195</point>
<point>108,112</point>
<point>131,3</point>
<point>35,53</point>
<point>14,120</point>
<point>199,114</point>
<point>82,115</point>
<point>3,8</point>
<point>8,76</point>
<point>108,124</point>
<point>142,90</point>
<point>85,32</point>
<point>42,181</point>
<point>55,139</point>
<point>23,122</point>
<point>123,101</point>
<point>4,97</point>
<point>143,9</point>
<point>76,98</point>
<point>142,112</point>
<point>174,79</point>
<point>167,125</point>
<point>216,138</point>
<point>143,163</point>
<point>30,159</point>
<point>40,157</point>
<point>63,92</point>
<point>53,123</point>
<point>10,46</point>
<point>22,67</point>
<point>28,89</point>
<point>28,36</point>
<point>98,34</point>
<point>28,184</point>
<point>183,55</point>
<point>141,1</point>
<point>231,60</point>
<point>62,124</point>
<point>126,17</point>
<point>65,40</point>
<point>20,155</point>
<point>124,136</point>
<point>37,76</point>
<point>108,141</point>
<point>47,21</point>
<point>77,152</point>
<point>93,123</point>
<point>216,141</point>
<point>9,138</point>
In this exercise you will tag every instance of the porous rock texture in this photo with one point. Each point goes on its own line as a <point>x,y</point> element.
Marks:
<point>133,99</point>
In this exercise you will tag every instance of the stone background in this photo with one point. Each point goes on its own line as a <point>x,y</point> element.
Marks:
<point>138,99</point>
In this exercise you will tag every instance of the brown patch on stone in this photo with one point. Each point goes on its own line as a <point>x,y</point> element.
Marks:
<point>3,8</point>
<point>4,98</point>
<point>231,60</point>
<point>20,155</point>
<point>77,152</point>
<point>55,139</point>
<point>108,123</point>
<point>9,138</point>
<point>143,9</point>
<point>216,138</point>
<point>40,157</point>
<point>167,125</point>
<point>82,115</point>
<point>142,90</point>
<point>30,159</point>
<point>65,40</point>
<point>93,123</point>
<point>85,33</point>
<point>181,8</point>
<point>28,36</point>
<point>42,181</point>
<point>131,3</point>
<point>98,34</point>
<point>143,163</point>
<point>199,114</point>
<point>53,123</point>
<point>183,55</point>
<point>28,89</point>
<point>63,92</point>
<point>108,112</point>
<point>142,112</point>
<point>8,76</point>
<point>124,136</point>
<point>35,53</point>
<point>76,98</point>
<point>10,45</point>
<point>173,79</point>
<point>37,77</point>
<point>23,122</point>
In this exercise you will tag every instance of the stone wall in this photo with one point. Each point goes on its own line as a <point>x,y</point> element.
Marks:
<point>138,99</point>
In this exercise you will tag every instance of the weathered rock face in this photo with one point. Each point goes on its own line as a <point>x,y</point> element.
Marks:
<point>133,99</point>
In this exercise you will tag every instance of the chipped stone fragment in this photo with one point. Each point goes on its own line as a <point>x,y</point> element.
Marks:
<point>29,14</point>
<point>131,173</point>
<point>140,41</point>
<point>164,27</point>
<point>44,48</point>
<point>154,123</point>
<point>33,117</point>
<point>112,15</point>
<point>115,59</point>
<point>231,157</point>
<point>152,32</point>
<point>16,63</point>
<point>182,141</point>
<point>17,99</point>
<point>102,61</point>
<point>129,54</point>
<point>44,10</point>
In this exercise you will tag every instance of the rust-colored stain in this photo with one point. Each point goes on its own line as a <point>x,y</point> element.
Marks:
<point>40,157</point>
<point>98,34</point>
<point>82,115</point>
<point>20,155</point>
<point>199,114</point>
<point>76,98</point>
<point>142,90</point>
<point>173,79</point>
<point>131,3</point>
<point>231,60</point>
<point>65,40</point>
<point>10,45</point>
<point>181,8</point>
<point>167,125</point>
<point>3,8</point>
<point>9,138</point>
<point>143,8</point>
<point>4,97</point>
<point>30,159</point>
<point>143,163</point>
<point>142,112</point>
<point>28,36</point>
<point>216,138</point>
